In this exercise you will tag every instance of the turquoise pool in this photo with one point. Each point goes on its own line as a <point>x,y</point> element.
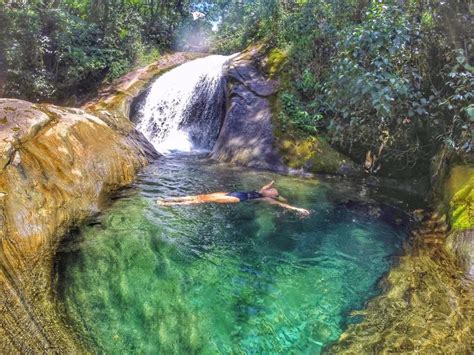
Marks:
<point>241,278</point>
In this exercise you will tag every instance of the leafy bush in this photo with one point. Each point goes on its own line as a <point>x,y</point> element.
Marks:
<point>389,77</point>
<point>52,50</point>
<point>294,113</point>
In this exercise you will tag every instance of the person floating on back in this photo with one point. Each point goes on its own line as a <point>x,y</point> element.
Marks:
<point>267,193</point>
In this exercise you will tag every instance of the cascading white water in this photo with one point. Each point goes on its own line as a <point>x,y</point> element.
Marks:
<point>184,107</point>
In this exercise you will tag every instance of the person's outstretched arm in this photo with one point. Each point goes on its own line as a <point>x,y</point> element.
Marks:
<point>268,186</point>
<point>302,211</point>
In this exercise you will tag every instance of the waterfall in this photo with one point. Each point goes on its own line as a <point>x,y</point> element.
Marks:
<point>185,106</point>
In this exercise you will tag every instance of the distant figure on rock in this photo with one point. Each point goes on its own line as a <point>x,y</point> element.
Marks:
<point>267,193</point>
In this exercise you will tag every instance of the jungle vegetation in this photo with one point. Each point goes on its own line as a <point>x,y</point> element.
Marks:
<point>386,81</point>
<point>52,49</point>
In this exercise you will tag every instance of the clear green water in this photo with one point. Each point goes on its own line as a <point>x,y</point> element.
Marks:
<point>241,278</point>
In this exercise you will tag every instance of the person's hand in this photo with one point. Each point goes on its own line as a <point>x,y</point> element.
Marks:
<point>303,212</point>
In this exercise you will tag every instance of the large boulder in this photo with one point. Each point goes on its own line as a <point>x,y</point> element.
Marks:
<point>251,134</point>
<point>246,137</point>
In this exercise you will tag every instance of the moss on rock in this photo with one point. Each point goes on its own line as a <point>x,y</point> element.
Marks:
<point>459,202</point>
<point>309,153</point>
<point>275,60</point>
<point>459,194</point>
<point>314,155</point>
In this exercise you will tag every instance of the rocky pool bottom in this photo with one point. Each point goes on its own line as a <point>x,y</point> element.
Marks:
<point>240,278</point>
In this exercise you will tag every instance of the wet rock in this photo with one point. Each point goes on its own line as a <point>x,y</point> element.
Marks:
<point>460,244</point>
<point>459,196</point>
<point>246,137</point>
<point>244,72</point>
<point>57,167</point>
<point>459,199</point>
<point>58,164</point>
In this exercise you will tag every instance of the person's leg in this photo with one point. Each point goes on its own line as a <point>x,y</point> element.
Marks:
<point>188,200</point>
<point>205,197</point>
<point>179,199</point>
<point>172,203</point>
<point>217,197</point>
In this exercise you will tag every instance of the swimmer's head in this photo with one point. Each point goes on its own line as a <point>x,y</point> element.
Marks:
<point>269,192</point>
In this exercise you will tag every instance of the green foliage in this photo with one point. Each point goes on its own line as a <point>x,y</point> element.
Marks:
<point>51,50</point>
<point>365,68</point>
<point>387,76</point>
<point>295,114</point>
<point>458,104</point>
<point>370,87</point>
<point>244,22</point>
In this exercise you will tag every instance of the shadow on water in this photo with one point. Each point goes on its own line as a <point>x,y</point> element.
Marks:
<point>246,277</point>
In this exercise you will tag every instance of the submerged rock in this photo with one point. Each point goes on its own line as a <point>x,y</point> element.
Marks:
<point>428,299</point>
<point>426,306</point>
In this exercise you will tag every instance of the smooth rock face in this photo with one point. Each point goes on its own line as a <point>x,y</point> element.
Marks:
<point>57,166</point>
<point>246,137</point>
